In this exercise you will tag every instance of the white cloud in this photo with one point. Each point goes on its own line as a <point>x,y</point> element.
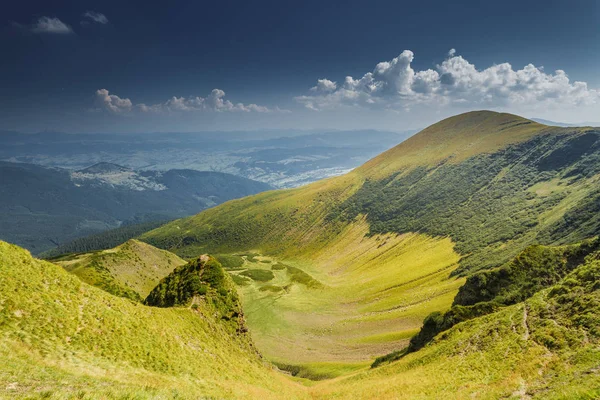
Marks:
<point>95,17</point>
<point>50,25</point>
<point>324,85</point>
<point>215,101</point>
<point>395,85</point>
<point>113,103</point>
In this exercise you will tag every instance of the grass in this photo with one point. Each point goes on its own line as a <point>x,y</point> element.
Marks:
<point>356,299</point>
<point>278,267</point>
<point>271,288</point>
<point>131,269</point>
<point>240,280</point>
<point>392,241</point>
<point>60,338</point>
<point>298,276</point>
<point>357,237</point>
<point>93,345</point>
<point>322,371</point>
<point>543,348</point>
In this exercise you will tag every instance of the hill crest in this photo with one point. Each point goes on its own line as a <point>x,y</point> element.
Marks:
<point>456,139</point>
<point>131,269</point>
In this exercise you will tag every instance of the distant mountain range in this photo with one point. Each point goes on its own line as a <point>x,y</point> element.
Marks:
<point>42,207</point>
<point>563,124</point>
<point>280,158</point>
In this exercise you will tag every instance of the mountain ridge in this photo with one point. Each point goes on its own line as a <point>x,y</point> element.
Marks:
<point>131,269</point>
<point>482,201</point>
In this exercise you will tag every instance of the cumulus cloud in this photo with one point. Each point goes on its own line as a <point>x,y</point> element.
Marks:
<point>94,16</point>
<point>50,25</point>
<point>113,103</point>
<point>324,85</point>
<point>396,85</point>
<point>215,101</point>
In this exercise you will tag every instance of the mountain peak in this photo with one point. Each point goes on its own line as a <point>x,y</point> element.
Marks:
<point>104,168</point>
<point>455,139</point>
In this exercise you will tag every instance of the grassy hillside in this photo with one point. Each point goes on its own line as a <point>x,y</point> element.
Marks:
<point>533,270</point>
<point>358,298</point>
<point>466,194</point>
<point>61,338</point>
<point>543,348</point>
<point>130,270</point>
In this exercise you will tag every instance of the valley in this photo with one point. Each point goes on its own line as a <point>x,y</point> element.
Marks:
<point>300,200</point>
<point>356,299</point>
<point>380,277</point>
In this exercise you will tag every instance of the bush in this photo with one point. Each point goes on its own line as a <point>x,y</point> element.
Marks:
<point>200,277</point>
<point>230,261</point>
<point>260,275</point>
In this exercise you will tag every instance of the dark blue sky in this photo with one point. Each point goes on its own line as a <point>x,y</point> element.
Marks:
<point>269,53</point>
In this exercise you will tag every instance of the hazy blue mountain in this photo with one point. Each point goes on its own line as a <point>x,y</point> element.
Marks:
<point>564,124</point>
<point>41,207</point>
<point>282,158</point>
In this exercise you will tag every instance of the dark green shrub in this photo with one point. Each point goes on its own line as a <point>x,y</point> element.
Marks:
<point>260,275</point>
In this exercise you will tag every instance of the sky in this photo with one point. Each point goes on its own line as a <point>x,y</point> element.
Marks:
<point>132,66</point>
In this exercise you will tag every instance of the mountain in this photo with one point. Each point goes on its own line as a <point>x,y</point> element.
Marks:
<point>104,168</point>
<point>130,270</point>
<point>103,240</point>
<point>42,207</point>
<point>563,124</point>
<point>70,340</point>
<point>542,348</point>
<point>552,123</point>
<point>462,263</point>
<point>282,158</point>
<point>393,240</point>
<point>61,338</point>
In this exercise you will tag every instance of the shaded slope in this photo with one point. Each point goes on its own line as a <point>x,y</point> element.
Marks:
<point>492,204</point>
<point>61,338</point>
<point>103,240</point>
<point>358,298</point>
<point>130,270</point>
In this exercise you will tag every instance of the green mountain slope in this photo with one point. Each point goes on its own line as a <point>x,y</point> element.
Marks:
<point>61,338</point>
<point>388,240</point>
<point>533,270</point>
<point>543,348</point>
<point>130,270</point>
